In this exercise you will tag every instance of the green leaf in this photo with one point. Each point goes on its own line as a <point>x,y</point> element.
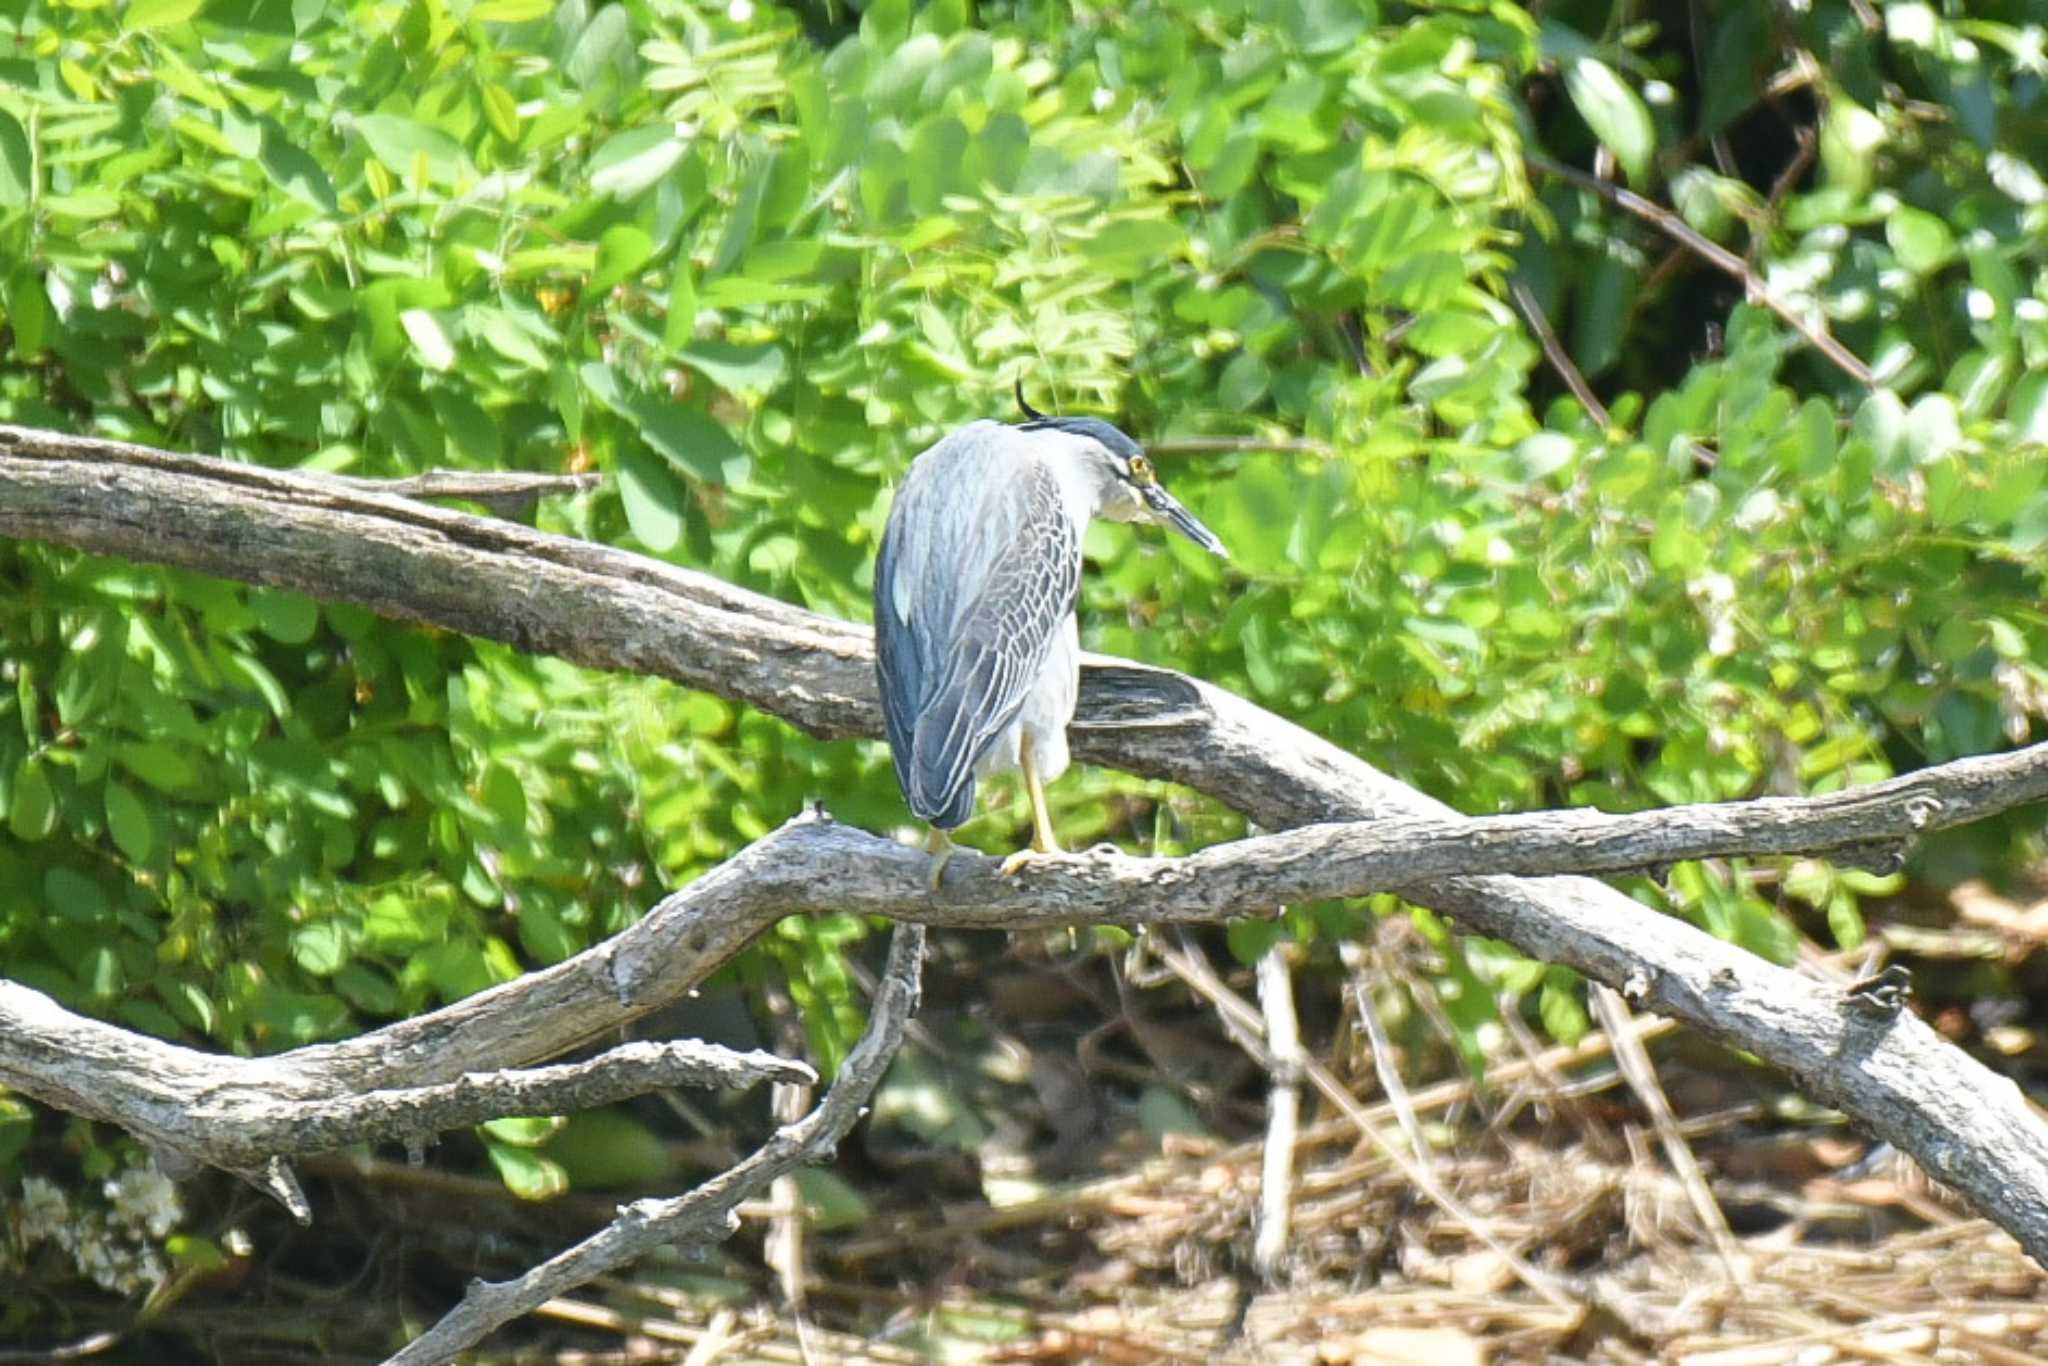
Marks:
<point>28,313</point>
<point>511,11</point>
<point>1131,240</point>
<point>74,896</point>
<point>101,972</point>
<point>501,109</point>
<point>605,45</point>
<point>1249,939</point>
<point>653,499</point>
<point>1922,242</point>
<point>473,440</point>
<point>321,947</point>
<point>1615,113</point>
<point>402,144</point>
<point>429,341</point>
<point>129,822</point>
<point>143,15</point>
<point>831,1201</point>
<point>294,170</point>
<point>631,161</point>
<point>286,617</point>
<point>1244,383</point>
<point>195,1253</point>
<point>158,764</point>
<point>1933,429</point>
<point>263,680</point>
<point>546,939</point>
<point>188,1003</point>
<point>604,1148</point>
<point>756,369</point>
<point>32,810</point>
<point>514,336</point>
<point>523,1131</point>
<point>692,442</point>
<point>1562,1008</point>
<point>17,165</point>
<point>620,253</point>
<point>17,1123</point>
<point>526,1173</point>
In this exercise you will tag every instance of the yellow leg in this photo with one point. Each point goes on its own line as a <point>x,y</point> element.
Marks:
<point>1043,840</point>
<point>939,845</point>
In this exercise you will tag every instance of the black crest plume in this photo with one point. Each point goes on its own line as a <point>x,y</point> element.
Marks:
<point>1030,412</point>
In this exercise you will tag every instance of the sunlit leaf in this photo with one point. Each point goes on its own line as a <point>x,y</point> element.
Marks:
<point>429,339</point>
<point>142,15</point>
<point>631,161</point>
<point>401,143</point>
<point>526,1173</point>
<point>620,253</point>
<point>1923,242</point>
<point>1615,113</point>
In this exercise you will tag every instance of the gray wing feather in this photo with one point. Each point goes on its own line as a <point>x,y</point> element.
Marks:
<point>967,606</point>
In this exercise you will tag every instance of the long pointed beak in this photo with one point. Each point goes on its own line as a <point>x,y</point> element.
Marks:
<point>1167,509</point>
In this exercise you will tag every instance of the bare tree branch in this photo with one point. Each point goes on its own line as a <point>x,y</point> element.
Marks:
<point>602,608</point>
<point>509,493</point>
<point>709,1213</point>
<point>239,1114</point>
<point>1815,331</point>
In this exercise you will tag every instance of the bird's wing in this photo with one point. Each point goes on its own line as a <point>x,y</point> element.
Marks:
<point>961,646</point>
<point>899,663</point>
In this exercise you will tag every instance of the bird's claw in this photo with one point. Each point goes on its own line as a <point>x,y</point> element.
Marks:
<point>1015,863</point>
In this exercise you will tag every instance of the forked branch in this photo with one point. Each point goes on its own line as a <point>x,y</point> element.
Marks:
<point>610,610</point>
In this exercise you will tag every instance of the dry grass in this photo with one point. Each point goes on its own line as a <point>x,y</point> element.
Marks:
<point>1154,1265</point>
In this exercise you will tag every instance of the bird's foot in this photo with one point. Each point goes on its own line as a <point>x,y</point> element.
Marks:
<point>1016,862</point>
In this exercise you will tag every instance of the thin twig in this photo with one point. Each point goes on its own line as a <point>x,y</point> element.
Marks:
<point>1802,158</point>
<point>1554,352</point>
<point>707,1214</point>
<point>1634,1061</point>
<point>1672,225</point>
<point>1283,1114</point>
<point>1391,1085</point>
<point>1550,1084</point>
<point>783,1248</point>
<point>1240,1020</point>
<point>976,1220</point>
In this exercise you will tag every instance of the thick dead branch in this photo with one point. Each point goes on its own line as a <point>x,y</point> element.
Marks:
<point>709,1213</point>
<point>607,609</point>
<point>241,1114</point>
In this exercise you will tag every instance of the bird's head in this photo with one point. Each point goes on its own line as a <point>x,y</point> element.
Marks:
<point>1129,487</point>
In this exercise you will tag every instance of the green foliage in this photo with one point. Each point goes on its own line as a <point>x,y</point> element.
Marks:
<point>750,272</point>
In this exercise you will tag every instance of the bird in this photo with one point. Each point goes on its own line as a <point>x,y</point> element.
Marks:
<point>978,657</point>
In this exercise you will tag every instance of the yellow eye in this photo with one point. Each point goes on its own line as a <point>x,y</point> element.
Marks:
<point>1141,471</point>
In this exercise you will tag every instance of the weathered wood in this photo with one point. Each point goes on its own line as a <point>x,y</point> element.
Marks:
<point>607,609</point>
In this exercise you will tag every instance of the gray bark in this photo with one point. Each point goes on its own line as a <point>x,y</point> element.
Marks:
<point>606,609</point>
